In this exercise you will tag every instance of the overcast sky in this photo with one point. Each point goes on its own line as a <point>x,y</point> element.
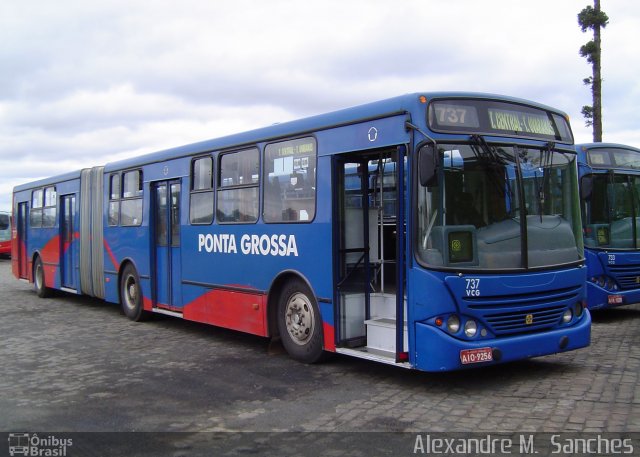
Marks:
<point>85,82</point>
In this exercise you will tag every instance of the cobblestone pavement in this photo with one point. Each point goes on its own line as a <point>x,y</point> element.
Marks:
<point>77,364</point>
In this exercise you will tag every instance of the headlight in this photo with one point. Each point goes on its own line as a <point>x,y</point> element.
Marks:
<point>566,317</point>
<point>470,328</point>
<point>578,310</point>
<point>453,323</point>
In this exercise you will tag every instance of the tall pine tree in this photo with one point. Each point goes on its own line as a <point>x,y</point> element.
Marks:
<point>594,19</point>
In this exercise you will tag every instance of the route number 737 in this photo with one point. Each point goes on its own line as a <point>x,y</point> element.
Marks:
<point>450,115</point>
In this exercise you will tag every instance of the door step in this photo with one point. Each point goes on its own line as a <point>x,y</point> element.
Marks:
<point>384,305</point>
<point>381,334</point>
<point>166,312</point>
<point>69,290</point>
<point>377,356</point>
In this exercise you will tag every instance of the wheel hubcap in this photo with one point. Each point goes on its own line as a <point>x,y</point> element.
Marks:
<point>39,276</point>
<point>130,293</point>
<point>300,318</point>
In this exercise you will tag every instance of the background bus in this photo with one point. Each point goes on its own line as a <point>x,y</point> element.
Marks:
<point>430,231</point>
<point>5,234</point>
<point>610,191</point>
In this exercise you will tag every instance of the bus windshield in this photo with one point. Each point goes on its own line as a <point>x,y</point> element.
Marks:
<point>612,211</point>
<point>500,208</point>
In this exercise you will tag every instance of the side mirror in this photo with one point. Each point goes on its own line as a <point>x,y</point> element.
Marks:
<point>427,165</point>
<point>586,187</point>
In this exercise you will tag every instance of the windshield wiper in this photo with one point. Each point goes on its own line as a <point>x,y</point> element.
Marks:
<point>495,163</point>
<point>478,141</point>
<point>546,165</point>
<point>524,242</point>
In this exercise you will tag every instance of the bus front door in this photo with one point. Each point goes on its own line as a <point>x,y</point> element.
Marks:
<point>166,223</point>
<point>68,249</point>
<point>368,263</point>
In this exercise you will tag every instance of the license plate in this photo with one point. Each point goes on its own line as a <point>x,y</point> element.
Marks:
<point>479,355</point>
<point>614,299</point>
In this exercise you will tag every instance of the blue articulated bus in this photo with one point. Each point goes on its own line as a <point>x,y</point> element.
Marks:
<point>434,231</point>
<point>610,192</point>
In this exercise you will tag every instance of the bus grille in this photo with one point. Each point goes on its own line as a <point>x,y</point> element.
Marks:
<point>523,313</point>
<point>627,276</point>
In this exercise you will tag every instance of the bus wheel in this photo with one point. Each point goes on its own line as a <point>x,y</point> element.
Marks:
<point>299,322</point>
<point>38,279</point>
<point>131,295</point>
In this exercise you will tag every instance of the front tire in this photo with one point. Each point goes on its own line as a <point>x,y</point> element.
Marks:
<point>300,323</point>
<point>131,295</point>
<point>38,279</point>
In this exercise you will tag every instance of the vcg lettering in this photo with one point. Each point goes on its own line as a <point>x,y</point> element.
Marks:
<point>225,243</point>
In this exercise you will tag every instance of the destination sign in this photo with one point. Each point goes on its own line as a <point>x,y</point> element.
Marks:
<point>498,118</point>
<point>301,146</point>
<point>517,121</point>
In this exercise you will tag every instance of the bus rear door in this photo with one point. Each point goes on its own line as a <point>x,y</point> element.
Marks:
<point>166,220</point>
<point>68,248</point>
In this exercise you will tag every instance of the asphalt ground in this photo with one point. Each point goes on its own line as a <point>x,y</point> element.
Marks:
<point>75,366</point>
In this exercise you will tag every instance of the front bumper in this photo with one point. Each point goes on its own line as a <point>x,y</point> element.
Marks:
<point>438,351</point>
<point>598,298</point>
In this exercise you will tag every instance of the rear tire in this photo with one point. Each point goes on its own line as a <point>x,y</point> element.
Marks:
<point>38,279</point>
<point>131,297</point>
<point>300,323</point>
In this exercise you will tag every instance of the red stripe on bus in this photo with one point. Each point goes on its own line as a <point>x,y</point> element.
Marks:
<point>329,337</point>
<point>50,254</point>
<point>67,244</point>
<point>147,304</point>
<point>114,261</point>
<point>230,309</point>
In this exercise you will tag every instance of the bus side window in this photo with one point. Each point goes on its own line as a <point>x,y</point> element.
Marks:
<point>49,210</point>
<point>131,205</point>
<point>290,181</point>
<point>37,202</point>
<point>238,187</point>
<point>114,199</point>
<point>201,197</point>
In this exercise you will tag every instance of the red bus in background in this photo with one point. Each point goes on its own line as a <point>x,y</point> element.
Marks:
<point>5,234</point>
